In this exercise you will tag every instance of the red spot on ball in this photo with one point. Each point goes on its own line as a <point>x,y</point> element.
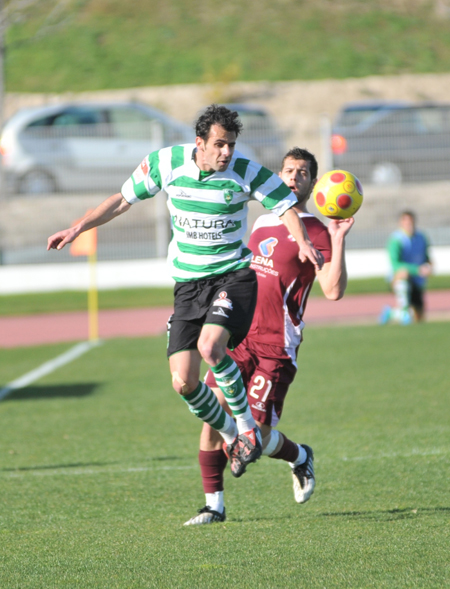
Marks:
<point>320,199</point>
<point>343,201</point>
<point>337,177</point>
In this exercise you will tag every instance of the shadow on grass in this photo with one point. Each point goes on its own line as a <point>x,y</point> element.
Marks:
<point>56,466</point>
<point>81,464</point>
<point>388,514</point>
<point>377,515</point>
<point>164,458</point>
<point>52,392</point>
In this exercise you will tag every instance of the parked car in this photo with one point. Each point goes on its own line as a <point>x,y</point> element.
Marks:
<point>261,134</point>
<point>85,146</point>
<point>89,146</point>
<point>393,142</point>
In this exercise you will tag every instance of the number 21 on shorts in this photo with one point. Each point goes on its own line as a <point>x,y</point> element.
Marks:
<point>261,387</point>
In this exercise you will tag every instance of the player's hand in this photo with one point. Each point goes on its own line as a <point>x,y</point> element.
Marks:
<point>340,227</point>
<point>308,252</point>
<point>425,270</point>
<point>60,239</point>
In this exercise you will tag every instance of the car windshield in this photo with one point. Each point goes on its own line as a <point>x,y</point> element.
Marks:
<point>352,118</point>
<point>131,123</point>
<point>255,121</point>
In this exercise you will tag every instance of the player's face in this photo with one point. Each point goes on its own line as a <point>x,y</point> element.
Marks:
<point>297,175</point>
<point>215,153</point>
<point>407,224</point>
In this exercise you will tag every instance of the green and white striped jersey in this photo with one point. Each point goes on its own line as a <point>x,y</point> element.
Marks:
<point>208,212</point>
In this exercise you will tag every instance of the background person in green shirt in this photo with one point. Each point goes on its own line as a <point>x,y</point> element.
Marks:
<point>411,265</point>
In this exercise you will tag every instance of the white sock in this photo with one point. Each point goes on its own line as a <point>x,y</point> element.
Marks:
<point>245,421</point>
<point>272,443</point>
<point>401,290</point>
<point>301,458</point>
<point>229,430</point>
<point>400,315</point>
<point>215,501</point>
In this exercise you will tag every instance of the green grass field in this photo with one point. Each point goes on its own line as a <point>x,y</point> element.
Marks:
<point>99,472</point>
<point>26,304</point>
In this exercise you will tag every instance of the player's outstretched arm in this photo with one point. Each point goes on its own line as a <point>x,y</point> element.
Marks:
<point>297,229</point>
<point>112,207</point>
<point>333,276</point>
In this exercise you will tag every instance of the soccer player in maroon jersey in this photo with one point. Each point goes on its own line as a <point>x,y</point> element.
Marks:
<point>267,357</point>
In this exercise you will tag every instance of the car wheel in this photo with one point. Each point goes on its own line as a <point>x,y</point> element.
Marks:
<point>385,173</point>
<point>37,182</point>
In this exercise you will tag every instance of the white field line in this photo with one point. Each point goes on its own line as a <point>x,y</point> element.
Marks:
<point>48,367</point>
<point>108,471</point>
<point>414,452</point>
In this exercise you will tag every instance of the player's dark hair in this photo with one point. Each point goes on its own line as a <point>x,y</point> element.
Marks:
<point>408,213</point>
<point>217,115</point>
<point>297,153</point>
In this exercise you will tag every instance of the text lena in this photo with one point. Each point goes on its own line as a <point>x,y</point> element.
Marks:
<point>261,260</point>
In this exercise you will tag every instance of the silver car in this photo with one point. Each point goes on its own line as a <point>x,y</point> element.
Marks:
<point>85,146</point>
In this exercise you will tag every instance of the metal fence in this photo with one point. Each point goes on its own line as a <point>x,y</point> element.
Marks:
<point>94,161</point>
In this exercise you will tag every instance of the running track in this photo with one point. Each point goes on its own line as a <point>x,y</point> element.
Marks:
<point>34,330</point>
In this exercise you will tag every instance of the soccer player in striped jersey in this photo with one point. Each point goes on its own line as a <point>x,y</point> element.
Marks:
<point>267,357</point>
<point>208,185</point>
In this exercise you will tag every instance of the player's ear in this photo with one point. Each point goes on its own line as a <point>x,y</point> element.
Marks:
<point>313,183</point>
<point>199,142</point>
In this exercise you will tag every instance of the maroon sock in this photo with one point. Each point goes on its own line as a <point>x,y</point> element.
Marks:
<point>289,450</point>
<point>212,465</point>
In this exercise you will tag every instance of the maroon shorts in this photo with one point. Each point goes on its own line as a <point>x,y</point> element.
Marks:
<point>267,372</point>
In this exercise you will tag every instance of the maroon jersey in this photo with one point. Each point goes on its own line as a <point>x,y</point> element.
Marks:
<point>284,282</point>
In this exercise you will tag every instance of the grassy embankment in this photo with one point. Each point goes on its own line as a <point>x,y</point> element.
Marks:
<point>112,44</point>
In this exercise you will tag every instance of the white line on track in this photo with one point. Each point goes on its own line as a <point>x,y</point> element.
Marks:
<point>48,367</point>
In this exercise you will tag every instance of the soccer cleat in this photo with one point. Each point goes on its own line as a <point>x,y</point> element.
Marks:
<point>250,445</point>
<point>385,315</point>
<point>406,318</point>
<point>303,477</point>
<point>206,515</point>
<point>237,466</point>
<point>245,449</point>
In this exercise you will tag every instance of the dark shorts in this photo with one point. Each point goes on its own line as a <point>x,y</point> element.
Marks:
<point>416,295</point>
<point>228,300</point>
<point>267,372</point>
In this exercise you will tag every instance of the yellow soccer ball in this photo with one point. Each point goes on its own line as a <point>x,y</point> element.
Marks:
<point>338,194</point>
